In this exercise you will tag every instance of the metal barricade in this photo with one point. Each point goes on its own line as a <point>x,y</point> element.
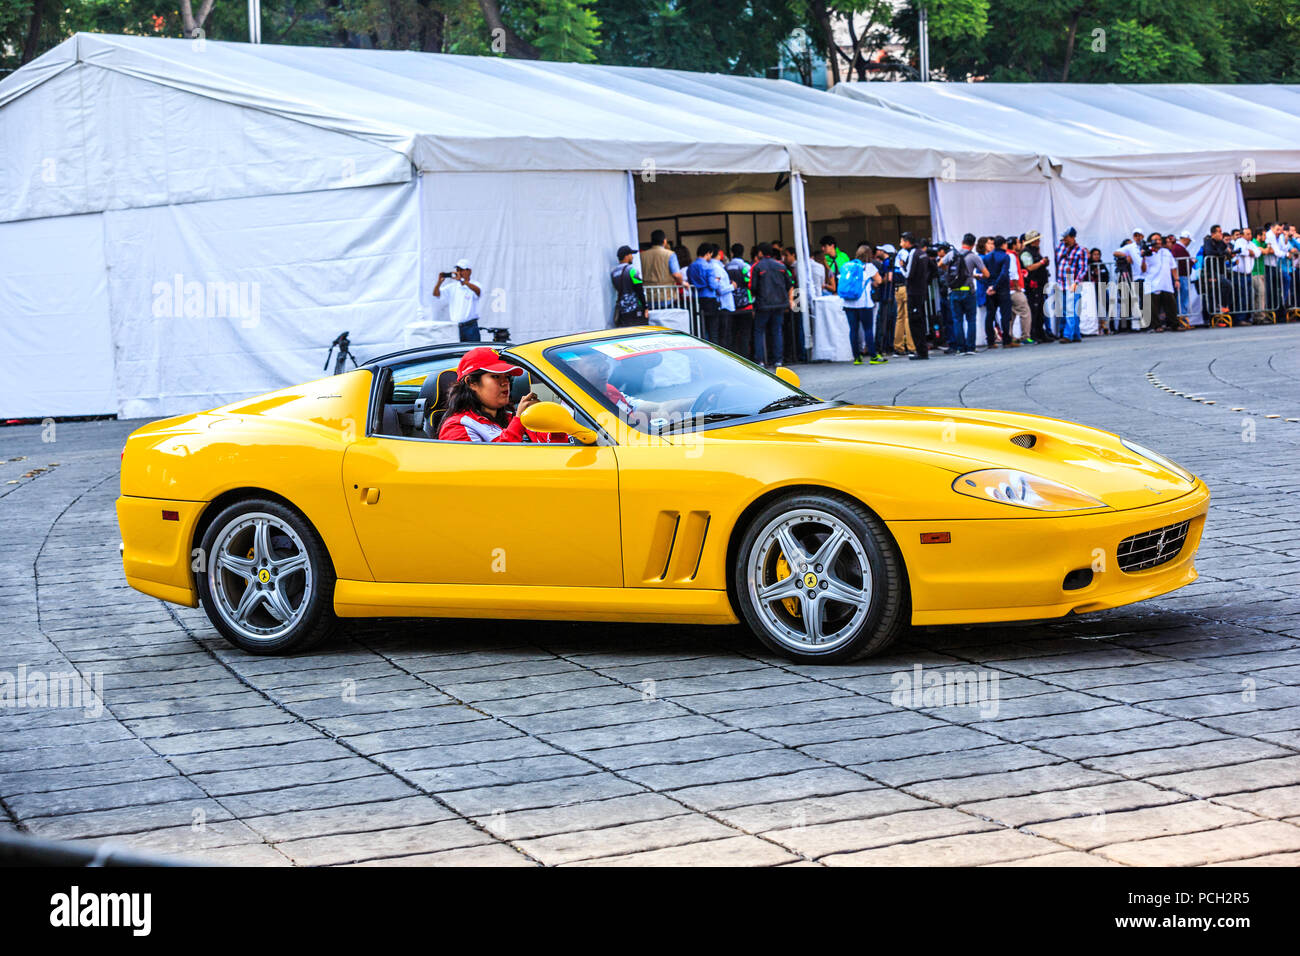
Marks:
<point>675,297</point>
<point>1231,292</point>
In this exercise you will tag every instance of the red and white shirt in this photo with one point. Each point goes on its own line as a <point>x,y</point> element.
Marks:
<point>471,426</point>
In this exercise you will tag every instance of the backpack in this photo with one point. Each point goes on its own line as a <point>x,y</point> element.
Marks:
<point>957,273</point>
<point>851,280</point>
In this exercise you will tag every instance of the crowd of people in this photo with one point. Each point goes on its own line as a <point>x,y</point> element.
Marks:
<point>921,296</point>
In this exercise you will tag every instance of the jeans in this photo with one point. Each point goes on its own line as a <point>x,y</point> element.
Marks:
<point>860,331</point>
<point>1070,331</point>
<point>885,314</point>
<point>767,329</point>
<point>1185,296</point>
<point>998,306</point>
<point>963,319</point>
<point>469,331</point>
<point>718,327</point>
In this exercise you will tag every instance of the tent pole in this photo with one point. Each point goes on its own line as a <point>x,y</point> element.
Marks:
<point>254,21</point>
<point>923,43</point>
<point>803,264</point>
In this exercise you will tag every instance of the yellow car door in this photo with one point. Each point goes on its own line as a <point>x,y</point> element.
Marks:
<point>435,512</point>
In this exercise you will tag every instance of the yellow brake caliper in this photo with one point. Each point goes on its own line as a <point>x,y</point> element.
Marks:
<point>782,570</point>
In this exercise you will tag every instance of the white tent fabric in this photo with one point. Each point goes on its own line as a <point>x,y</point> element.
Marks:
<point>54,324</point>
<point>216,301</point>
<point>1106,211</point>
<point>990,209</point>
<point>1089,131</point>
<point>458,113</point>
<point>541,245</point>
<point>85,143</point>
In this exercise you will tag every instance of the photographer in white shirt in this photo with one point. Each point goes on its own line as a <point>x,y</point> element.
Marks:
<point>462,299</point>
<point>1160,272</point>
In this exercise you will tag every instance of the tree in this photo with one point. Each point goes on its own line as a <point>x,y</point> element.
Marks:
<point>1089,41</point>
<point>711,36</point>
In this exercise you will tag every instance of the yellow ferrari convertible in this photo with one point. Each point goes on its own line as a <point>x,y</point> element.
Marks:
<point>694,487</point>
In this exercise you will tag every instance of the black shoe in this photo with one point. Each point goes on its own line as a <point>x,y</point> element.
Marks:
<point>915,358</point>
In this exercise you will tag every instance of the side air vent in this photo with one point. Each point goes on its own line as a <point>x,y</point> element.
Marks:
<point>676,547</point>
<point>1024,440</point>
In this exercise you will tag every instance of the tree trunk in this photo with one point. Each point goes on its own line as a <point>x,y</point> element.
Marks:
<point>33,42</point>
<point>191,24</point>
<point>1069,44</point>
<point>823,18</point>
<point>433,23</point>
<point>514,46</point>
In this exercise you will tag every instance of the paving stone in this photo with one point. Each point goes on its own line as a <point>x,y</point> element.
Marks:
<point>972,849</point>
<point>732,851</point>
<point>1188,816</point>
<point>1082,801</point>
<point>1193,849</point>
<point>818,840</point>
<point>1235,778</point>
<point>588,815</point>
<point>373,844</point>
<point>1215,753</point>
<point>624,839</point>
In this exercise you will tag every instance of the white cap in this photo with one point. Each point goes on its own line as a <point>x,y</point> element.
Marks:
<point>1138,232</point>
<point>887,247</point>
<point>462,263</point>
<point>1187,231</point>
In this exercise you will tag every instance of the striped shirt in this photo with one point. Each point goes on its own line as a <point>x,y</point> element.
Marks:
<point>1071,263</point>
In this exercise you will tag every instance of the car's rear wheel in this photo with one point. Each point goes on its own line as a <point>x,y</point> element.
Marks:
<point>267,583</point>
<point>819,579</point>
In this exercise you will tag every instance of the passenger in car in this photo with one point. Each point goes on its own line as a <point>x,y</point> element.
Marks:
<point>476,406</point>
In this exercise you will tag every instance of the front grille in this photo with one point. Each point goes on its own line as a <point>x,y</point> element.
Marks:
<point>1025,440</point>
<point>1138,552</point>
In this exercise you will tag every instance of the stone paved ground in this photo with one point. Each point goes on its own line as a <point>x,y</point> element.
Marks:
<point>1167,733</point>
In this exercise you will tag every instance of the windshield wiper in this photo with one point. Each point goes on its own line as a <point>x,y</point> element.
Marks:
<point>703,419</point>
<point>790,401</point>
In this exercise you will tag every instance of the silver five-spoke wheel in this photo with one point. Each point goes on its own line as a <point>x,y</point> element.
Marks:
<point>818,578</point>
<point>260,576</point>
<point>810,580</point>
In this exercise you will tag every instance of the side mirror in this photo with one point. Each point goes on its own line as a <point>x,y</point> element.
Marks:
<point>551,417</point>
<point>789,376</point>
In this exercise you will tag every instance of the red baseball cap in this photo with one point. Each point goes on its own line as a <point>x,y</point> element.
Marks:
<point>484,359</point>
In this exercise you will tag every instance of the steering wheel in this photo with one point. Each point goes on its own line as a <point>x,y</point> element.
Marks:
<point>708,398</point>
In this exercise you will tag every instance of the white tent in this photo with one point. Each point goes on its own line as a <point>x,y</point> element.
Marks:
<point>188,222</point>
<point>1120,156</point>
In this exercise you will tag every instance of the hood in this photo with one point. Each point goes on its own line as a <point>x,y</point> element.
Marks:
<point>1091,460</point>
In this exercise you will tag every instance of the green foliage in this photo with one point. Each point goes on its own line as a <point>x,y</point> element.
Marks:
<point>566,30</point>
<point>958,19</point>
<point>1220,41</point>
<point>1120,41</point>
<point>711,36</point>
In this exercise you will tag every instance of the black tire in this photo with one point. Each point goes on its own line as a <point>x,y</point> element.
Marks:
<point>887,609</point>
<point>313,618</point>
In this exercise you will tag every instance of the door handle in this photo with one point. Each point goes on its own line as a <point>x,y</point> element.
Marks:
<point>370,495</point>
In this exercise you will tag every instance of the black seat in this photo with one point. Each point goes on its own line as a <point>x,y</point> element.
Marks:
<point>432,401</point>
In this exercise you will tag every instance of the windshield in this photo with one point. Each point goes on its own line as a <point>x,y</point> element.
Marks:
<point>669,381</point>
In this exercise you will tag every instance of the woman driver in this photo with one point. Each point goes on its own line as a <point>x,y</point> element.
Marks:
<point>476,405</point>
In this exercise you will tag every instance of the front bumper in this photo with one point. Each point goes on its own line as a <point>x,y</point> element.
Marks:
<point>1014,569</point>
<point>156,552</point>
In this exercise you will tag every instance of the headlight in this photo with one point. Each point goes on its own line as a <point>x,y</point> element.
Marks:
<point>1159,459</point>
<point>1011,487</point>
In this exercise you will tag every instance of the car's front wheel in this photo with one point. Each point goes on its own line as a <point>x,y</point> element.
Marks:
<point>819,579</point>
<point>267,582</point>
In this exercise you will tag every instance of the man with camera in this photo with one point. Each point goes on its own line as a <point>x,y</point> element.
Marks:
<point>462,299</point>
<point>1160,272</point>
